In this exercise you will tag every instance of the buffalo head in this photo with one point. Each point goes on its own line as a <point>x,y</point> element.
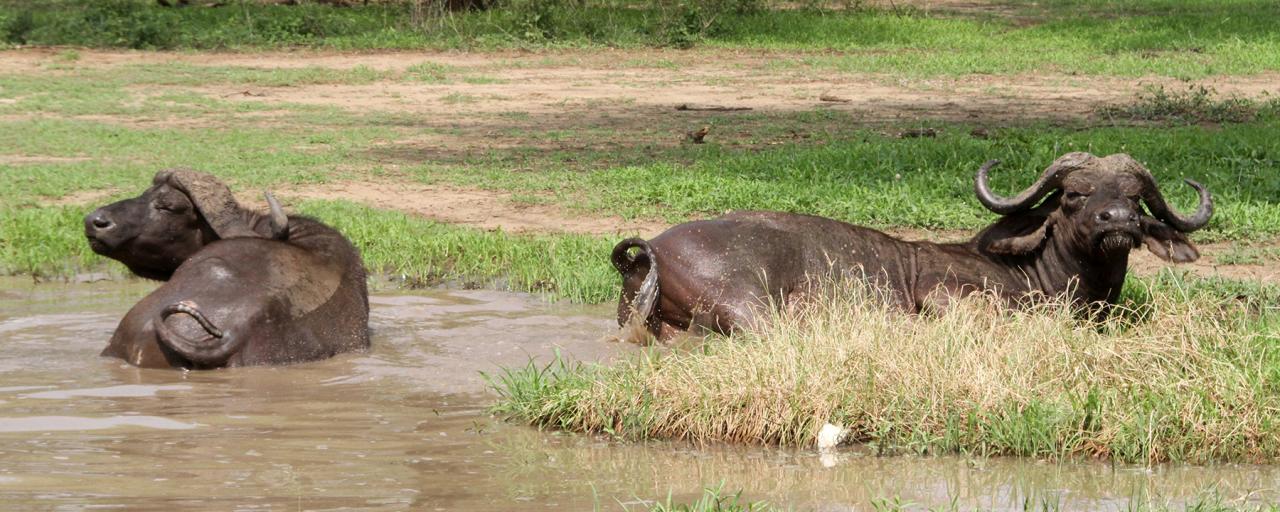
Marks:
<point>183,211</point>
<point>1094,210</point>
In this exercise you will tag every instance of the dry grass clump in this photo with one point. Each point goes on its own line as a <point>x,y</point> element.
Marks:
<point>1178,378</point>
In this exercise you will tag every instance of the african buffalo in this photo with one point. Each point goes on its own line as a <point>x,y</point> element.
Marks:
<point>241,288</point>
<point>716,274</point>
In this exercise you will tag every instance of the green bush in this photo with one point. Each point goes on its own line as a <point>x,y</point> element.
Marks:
<point>19,26</point>
<point>125,23</point>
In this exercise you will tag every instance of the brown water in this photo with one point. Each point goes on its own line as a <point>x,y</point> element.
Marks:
<point>404,428</point>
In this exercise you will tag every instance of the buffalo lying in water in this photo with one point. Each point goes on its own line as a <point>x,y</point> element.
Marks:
<point>241,288</point>
<point>716,274</point>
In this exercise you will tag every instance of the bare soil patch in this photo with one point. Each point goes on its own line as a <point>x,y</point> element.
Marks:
<point>763,82</point>
<point>645,85</point>
<point>511,106</point>
<point>39,159</point>
<point>476,208</point>
<point>82,198</point>
<point>1144,263</point>
<point>624,102</point>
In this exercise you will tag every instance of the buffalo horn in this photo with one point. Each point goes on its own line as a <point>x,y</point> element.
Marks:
<point>1048,181</point>
<point>1161,209</point>
<point>279,221</point>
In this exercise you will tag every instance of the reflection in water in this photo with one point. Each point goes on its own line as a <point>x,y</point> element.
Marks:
<point>403,427</point>
<point>801,479</point>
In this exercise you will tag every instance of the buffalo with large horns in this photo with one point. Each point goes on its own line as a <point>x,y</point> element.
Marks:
<point>242,288</point>
<point>1069,233</point>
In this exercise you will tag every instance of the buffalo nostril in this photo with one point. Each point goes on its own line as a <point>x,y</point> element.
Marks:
<point>1104,216</point>
<point>101,222</point>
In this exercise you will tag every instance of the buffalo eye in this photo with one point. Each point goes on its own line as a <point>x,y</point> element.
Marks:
<point>1075,200</point>
<point>170,207</point>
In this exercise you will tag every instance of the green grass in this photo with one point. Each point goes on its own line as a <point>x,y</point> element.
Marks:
<point>1191,38</point>
<point>457,97</point>
<point>425,253</point>
<point>1207,502</point>
<point>430,72</point>
<point>44,242</point>
<point>716,499</point>
<point>867,178</point>
<point>125,158</point>
<point>713,499</point>
<point>1181,373</point>
<point>1247,255</point>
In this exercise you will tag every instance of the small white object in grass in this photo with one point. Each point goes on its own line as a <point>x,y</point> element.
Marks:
<point>830,436</point>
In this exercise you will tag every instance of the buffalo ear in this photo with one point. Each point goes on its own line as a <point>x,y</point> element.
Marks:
<point>1022,244</point>
<point>1166,242</point>
<point>212,199</point>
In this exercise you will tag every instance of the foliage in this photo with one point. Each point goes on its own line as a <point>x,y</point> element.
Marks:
<point>1198,38</point>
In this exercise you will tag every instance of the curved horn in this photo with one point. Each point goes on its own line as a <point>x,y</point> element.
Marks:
<point>279,221</point>
<point>213,199</point>
<point>1160,209</point>
<point>213,350</point>
<point>1049,180</point>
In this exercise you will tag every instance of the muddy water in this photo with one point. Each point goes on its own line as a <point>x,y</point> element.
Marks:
<point>403,428</point>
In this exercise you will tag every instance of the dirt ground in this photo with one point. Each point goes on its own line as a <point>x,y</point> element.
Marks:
<point>624,102</point>
<point>630,89</point>
<point>632,103</point>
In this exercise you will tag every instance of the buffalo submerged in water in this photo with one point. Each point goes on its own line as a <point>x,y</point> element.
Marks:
<point>717,274</point>
<point>241,288</point>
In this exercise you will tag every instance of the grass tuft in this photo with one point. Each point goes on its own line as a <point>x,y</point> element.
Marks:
<point>1198,104</point>
<point>1174,375</point>
<point>713,499</point>
<point>1248,255</point>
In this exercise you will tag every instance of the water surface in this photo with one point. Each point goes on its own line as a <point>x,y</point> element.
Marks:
<point>404,427</point>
